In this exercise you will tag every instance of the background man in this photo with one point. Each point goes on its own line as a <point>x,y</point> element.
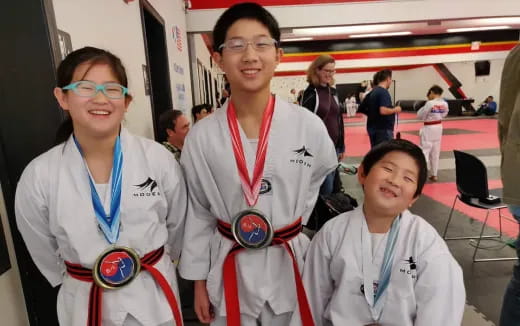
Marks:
<point>175,127</point>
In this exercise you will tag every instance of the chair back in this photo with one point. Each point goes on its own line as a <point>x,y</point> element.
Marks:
<point>471,176</point>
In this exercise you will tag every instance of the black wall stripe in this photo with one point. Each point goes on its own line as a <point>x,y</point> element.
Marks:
<point>400,42</point>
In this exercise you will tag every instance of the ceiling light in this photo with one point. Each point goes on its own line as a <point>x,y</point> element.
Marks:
<point>380,34</point>
<point>339,30</point>
<point>473,29</point>
<point>297,39</point>
<point>500,21</point>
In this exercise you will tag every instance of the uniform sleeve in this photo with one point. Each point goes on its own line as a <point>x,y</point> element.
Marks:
<point>177,197</point>
<point>424,111</point>
<point>440,292</point>
<point>326,161</point>
<point>317,279</point>
<point>32,219</point>
<point>200,222</point>
<point>446,111</point>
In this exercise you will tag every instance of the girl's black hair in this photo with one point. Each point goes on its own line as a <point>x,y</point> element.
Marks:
<point>66,71</point>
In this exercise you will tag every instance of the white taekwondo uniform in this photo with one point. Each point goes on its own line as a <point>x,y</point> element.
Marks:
<point>426,286</point>
<point>55,216</point>
<point>431,134</point>
<point>351,105</point>
<point>299,156</point>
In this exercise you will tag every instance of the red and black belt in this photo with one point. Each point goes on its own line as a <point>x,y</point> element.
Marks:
<point>96,292</point>
<point>429,123</point>
<point>281,237</point>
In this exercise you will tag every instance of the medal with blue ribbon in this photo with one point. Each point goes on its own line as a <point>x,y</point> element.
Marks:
<point>376,300</point>
<point>109,224</point>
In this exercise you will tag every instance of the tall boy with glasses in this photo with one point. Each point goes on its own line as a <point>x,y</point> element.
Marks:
<point>254,169</point>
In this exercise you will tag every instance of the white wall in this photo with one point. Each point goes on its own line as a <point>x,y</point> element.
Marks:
<point>413,84</point>
<point>172,11</point>
<point>400,61</point>
<point>12,303</point>
<point>116,26</point>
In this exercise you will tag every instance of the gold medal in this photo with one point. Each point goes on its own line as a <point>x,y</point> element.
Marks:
<point>116,267</point>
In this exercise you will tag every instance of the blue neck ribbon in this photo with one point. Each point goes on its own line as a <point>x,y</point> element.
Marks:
<point>109,224</point>
<point>388,258</point>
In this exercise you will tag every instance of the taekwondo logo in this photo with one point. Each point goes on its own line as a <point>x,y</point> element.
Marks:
<point>253,229</point>
<point>265,186</point>
<point>117,268</point>
<point>148,188</point>
<point>412,267</point>
<point>301,154</point>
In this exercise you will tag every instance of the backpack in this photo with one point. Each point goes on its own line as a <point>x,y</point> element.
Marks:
<point>329,206</point>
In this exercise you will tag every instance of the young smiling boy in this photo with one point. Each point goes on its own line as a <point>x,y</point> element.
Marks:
<point>253,170</point>
<point>380,264</point>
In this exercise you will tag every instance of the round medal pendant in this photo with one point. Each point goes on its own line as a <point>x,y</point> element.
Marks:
<point>116,267</point>
<point>252,230</point>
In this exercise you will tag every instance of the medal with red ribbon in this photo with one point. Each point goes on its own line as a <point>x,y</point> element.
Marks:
<point>250,228</point>
<point>251,188</point>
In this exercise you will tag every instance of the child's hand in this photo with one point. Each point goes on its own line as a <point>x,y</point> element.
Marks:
<point>202,305</point>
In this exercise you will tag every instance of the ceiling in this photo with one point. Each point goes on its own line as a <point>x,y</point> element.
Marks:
<point>395,29</point>
<point>213,4</point>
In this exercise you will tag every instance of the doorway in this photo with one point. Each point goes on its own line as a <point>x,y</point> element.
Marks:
<point>157,64</point>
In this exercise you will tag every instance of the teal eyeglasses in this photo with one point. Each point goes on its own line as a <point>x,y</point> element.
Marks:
<point>87,88</point>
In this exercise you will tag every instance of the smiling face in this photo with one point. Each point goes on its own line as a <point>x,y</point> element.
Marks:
<point>390,185</point>
<point>251,70</point>
<point>96,116</point>
<point>326,73</point>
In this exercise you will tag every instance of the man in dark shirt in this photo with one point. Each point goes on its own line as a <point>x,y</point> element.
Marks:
<point>381,113</point>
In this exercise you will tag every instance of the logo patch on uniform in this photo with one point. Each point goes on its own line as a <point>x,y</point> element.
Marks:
<point>303,152</point>
<point>302,157</point>
<point>410,267</point>
<point>375,287</point>
<point>265,186</point>
<point>148,188</point>
<point>149,183</point>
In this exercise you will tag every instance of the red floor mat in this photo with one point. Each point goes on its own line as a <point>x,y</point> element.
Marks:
<point>358,144</point>
<point>445,194</point>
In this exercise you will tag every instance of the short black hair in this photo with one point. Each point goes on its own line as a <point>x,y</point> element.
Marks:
<point>435,89</point>
<point>197,108</point>
<point>245,10</point>
<point>167,120</point>
<point>381,76</point>
<point>398,145</point>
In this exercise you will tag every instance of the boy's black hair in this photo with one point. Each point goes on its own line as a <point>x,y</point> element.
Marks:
<point>435,89</point>
<point>398,145</point>
<point>198,108</point>
<point>381,76</point>
<point>245,10</point>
